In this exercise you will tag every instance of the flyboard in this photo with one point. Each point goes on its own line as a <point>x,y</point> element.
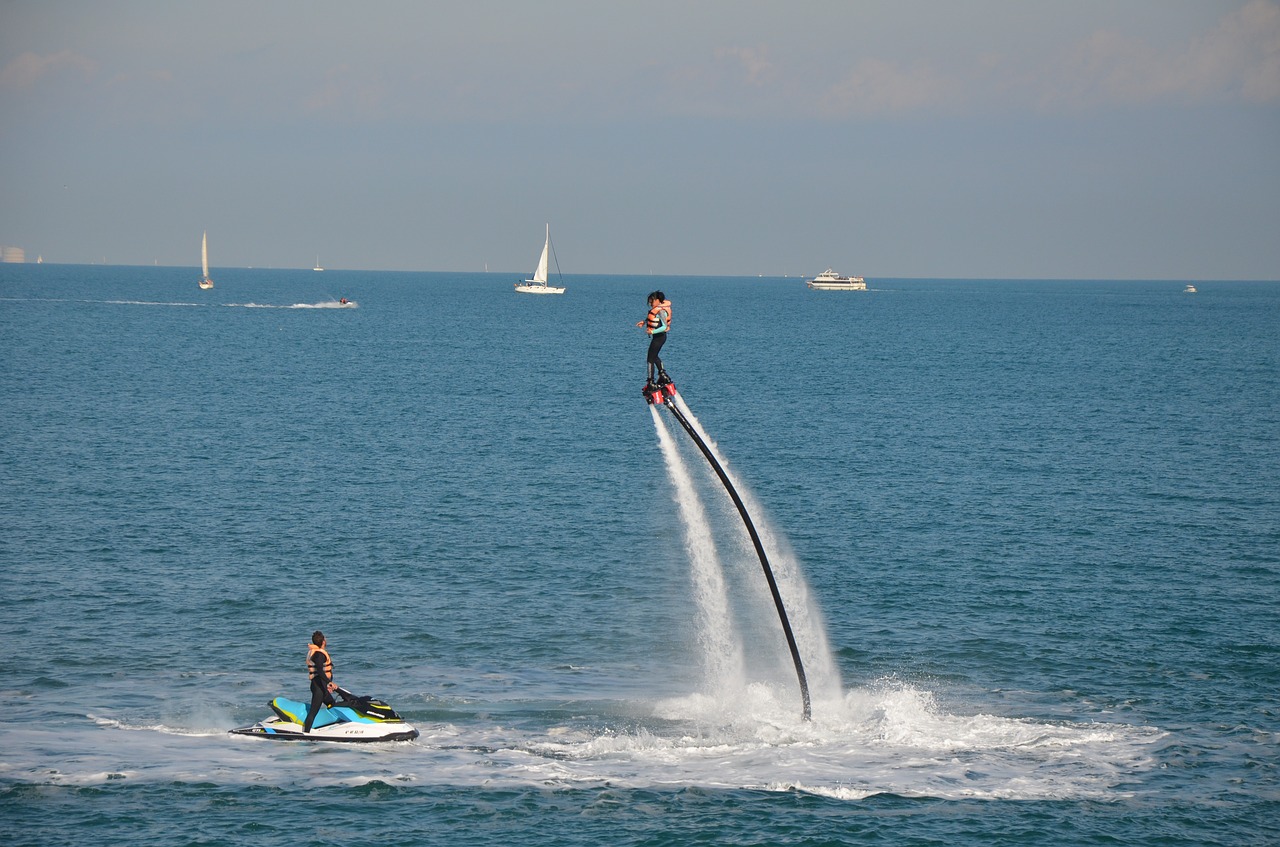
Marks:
<point>662,392</point>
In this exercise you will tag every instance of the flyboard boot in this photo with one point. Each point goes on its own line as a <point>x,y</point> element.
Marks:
<point>659,391</point>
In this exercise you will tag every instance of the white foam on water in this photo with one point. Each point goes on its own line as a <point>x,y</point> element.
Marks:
<point>141,303</point>
<point>324,304</point>
<point>890,737</point>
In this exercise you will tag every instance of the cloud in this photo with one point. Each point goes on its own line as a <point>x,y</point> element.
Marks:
<point>1245,52</point>
<point>877,87</point>
<point>29,68</point>
<point>347,94</point>
<point>754,60</point>
<point>1239,59</point>
<point>1236,59</point>
<point>747,81</point>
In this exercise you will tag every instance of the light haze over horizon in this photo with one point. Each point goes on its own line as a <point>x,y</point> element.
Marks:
<point>987,139</point>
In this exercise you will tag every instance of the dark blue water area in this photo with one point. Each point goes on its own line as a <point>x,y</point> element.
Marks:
<point>1040,519</point>
<point>210,814</point>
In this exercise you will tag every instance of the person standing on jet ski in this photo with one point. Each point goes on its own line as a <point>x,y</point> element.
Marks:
<point>657,323</point>
<point>320,669</point>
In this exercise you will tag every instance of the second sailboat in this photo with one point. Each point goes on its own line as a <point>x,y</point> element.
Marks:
<point>538,285</point>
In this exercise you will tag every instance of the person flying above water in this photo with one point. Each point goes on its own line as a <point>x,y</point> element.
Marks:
<point>658,324</point>
<point>320,669</point>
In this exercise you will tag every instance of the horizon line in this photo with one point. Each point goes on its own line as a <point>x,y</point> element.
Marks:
<point>761,276</point>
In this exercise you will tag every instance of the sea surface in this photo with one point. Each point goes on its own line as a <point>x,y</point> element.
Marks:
<point>1027,534</point>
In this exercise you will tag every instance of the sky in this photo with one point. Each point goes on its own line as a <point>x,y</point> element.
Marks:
<point>1063,139</point>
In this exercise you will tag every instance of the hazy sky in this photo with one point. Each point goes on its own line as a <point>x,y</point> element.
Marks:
<point>992,138</point>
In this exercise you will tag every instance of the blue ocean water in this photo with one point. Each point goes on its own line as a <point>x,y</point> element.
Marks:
<point>1028,533</point>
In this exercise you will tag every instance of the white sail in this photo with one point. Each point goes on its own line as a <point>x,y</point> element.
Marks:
<point>205,282</point>
<point>540,275</point>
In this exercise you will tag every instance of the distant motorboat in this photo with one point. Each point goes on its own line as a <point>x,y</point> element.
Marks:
<point>829,280</point>
<point>1190,289</point>
<point>205,282</point>
<point>538,285</point>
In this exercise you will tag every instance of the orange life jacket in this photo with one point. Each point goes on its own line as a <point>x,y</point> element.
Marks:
<point>654,321</point>
<point>328,662</point>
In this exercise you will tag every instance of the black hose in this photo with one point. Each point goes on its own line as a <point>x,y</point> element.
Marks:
<point>764,560</point>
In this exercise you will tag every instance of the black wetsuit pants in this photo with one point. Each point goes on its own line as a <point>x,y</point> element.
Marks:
<point>319,695</point>
<point>655,346</point>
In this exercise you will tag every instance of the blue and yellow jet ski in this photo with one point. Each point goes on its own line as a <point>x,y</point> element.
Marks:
<point>353,719</point>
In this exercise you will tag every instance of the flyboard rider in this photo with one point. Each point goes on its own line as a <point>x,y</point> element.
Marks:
<point>657,324</point>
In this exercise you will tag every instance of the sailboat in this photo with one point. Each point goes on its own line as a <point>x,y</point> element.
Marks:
<point>317,267</point>
<point>205,282</point>
<point>538,285</point>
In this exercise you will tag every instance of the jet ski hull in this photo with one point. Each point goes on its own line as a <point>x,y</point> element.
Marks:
<point>275,729</point>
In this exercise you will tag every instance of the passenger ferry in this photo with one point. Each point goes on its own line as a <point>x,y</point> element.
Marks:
<point>829,280</point>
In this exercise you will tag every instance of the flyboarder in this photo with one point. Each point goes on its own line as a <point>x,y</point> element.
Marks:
<point>657,324</point>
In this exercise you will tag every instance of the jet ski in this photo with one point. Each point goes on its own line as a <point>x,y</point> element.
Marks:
<point>352,719</point>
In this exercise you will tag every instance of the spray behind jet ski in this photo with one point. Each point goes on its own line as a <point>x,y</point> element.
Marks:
<point>662,392</point>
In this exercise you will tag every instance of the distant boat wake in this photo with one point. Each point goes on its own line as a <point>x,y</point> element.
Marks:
<point>327,304</point>
<point>323,304</point>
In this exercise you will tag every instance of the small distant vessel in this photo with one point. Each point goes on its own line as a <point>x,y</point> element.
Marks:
<point>1190,289</point>
<point>829,280</point>
<point>205,282</point>
<point>538,285</point>
<point>317,267</point>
